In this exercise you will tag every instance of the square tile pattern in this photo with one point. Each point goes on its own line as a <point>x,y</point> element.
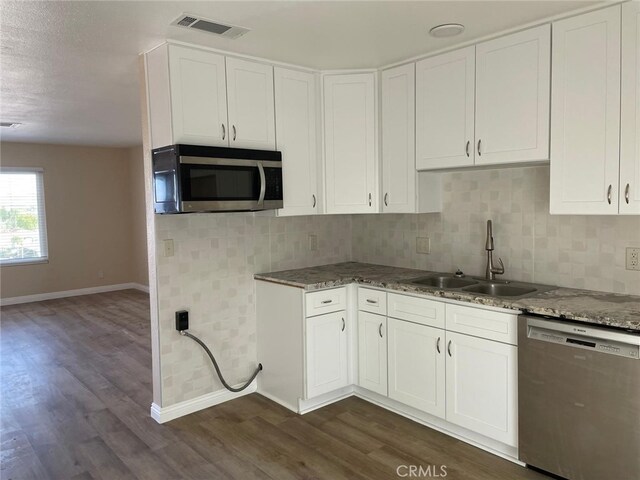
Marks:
<point>211,273</point>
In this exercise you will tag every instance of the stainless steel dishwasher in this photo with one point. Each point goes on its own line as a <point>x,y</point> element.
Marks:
<point>578,399</point>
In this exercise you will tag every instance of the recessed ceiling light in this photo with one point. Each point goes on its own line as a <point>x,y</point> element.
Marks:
<point>447,30</point>
<point>9,124</point>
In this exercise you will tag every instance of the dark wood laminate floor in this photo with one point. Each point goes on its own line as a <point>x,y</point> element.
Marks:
<point>76,391</point>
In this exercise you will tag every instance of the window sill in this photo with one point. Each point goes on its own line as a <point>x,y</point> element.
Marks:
<point>19,263</point>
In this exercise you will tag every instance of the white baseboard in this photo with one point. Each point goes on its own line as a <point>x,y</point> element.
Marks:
<point>38,297</point>
<point>165,414</point>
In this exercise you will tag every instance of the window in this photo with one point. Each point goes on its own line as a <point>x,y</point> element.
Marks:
<point>23,230</point>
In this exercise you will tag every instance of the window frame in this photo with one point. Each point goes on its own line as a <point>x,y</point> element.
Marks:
<point>44,246</point>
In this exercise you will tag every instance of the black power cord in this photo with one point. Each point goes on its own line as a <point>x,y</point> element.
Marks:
<point>215,364</point>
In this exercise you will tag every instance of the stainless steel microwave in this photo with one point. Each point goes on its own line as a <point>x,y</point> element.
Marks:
<point>194,178</point>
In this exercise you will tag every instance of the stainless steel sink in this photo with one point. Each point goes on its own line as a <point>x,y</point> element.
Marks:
<point>444,282</point>
<point>499,290</point>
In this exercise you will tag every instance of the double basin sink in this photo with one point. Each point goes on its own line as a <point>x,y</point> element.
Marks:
<point>479,286</point>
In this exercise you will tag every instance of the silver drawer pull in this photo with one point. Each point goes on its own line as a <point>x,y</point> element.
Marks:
<point>369,199</point>
<point>609,194</point>
<point>372,301</point>
<point>466,149</point>
<point>449,348</point>
<point>326,301</point>
<point>234,132</point>
<point>314,201</point>
<point>386,199</point>
<point>224,132</point>
<point>343,324</point>
<point>438,345</point>
<point>380,330</point>
<point>479,143</point>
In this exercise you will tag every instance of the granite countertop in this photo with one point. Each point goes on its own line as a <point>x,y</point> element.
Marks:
<point>614,310</point>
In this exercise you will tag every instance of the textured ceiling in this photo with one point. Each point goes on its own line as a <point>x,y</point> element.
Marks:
<point>68,70</point>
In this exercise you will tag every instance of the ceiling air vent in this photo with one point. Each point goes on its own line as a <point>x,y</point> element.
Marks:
<point>210,26</point>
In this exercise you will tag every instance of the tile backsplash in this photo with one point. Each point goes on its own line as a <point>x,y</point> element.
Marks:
<point>566,250</point>
<point>211,273</point>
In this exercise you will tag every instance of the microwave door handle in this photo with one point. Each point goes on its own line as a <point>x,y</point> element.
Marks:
<point>263,185</point>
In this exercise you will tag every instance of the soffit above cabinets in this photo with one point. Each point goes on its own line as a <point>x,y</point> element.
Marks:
<point>70,69</point>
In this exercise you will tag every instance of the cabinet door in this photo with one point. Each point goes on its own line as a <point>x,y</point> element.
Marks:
<point>350,143</point>
<point>398,140</point>
<point>630,115</point>
<point>295,94</point>
<point>372,352</point>
<point>512,98</point>
<point>326,353</point>
<point>585,114</point>
<point>445,95</point>
<point>482,386</point>
<point>417,366</point>
<point>251,104</point>
<point>198,96</point>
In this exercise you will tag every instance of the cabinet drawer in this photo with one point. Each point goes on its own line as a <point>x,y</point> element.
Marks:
<point>373,301</point>
<point>326,301</point>
<point>502,327</point>
<point>417,310</point>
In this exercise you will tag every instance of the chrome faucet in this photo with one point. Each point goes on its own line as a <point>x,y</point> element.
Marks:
<point>492,271</point>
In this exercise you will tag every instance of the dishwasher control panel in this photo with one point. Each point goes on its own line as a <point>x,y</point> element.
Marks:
<point>596,339</point>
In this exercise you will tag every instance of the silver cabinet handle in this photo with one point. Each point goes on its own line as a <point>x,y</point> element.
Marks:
<point>326,301</point>
<point>233,127</point>
<point>314,201</point>
<point>438,345</point>
<point>479,143</point>
<point>343,324</point>
<point>609,194</point>
<point>224,131</point>
<point>449,348</point>
<point>372,301</point>
<point>369,199</point>
<point>386,199</point>
<point>380,330</point>
<point>466,149</point>
<point>626,194</point>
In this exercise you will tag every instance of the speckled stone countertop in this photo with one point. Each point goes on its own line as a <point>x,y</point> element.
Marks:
<point>614,310</point>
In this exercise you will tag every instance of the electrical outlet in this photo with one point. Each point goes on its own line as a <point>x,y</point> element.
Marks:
<point>313,242</point>
<point>633,258</point>
<point>168,247</point>
<point>423,245</point>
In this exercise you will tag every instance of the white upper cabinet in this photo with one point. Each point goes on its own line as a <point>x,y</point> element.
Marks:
<point>512,98</point>
<point>445,93</point>
<point>296,132</point>
<point>630,115</point>
<point>585,125</point>
<point>351,169</point>
<point>251,104</point>
<point>198,96</point>
<point>398,140</point>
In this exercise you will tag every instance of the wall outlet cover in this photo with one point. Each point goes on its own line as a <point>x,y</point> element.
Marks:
<point>313,242</point>
<point>633,258</point>
<point>423,245</point>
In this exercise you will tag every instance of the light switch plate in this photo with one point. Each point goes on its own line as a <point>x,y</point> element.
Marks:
<point>168,247</point>
<point>423,245</point>
<point>633,258</point>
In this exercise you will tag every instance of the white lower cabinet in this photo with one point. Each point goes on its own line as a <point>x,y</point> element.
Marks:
<point>372,352</point>
<point>417,366</point>
<point>326,353</point>
<point>482,386</point>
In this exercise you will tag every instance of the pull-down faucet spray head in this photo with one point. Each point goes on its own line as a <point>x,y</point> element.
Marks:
<point>489,245</point>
